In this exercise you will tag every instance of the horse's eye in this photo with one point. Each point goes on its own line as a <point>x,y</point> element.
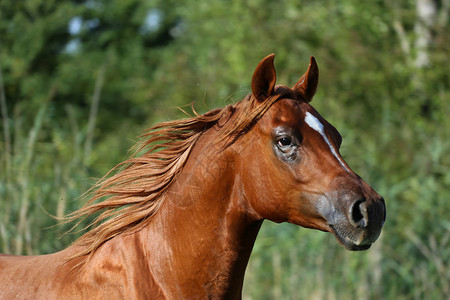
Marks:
<point>284,142</point>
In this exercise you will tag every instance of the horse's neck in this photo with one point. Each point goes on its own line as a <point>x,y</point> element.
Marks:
<point>201,238</point>
<point>197,245</point>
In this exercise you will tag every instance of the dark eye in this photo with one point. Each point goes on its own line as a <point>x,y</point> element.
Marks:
<point>284,142</point>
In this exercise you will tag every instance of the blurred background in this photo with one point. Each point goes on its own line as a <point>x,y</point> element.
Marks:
<point>81,79</point>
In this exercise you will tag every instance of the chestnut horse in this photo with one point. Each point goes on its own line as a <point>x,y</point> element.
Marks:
<point>178,220</point>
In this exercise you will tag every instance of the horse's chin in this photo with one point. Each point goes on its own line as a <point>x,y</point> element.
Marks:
<point>347,242</point>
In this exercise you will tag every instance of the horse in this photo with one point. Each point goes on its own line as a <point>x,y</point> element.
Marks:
<point>179,218</point>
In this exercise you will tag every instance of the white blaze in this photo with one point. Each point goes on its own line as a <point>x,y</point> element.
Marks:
<point>315,124</point>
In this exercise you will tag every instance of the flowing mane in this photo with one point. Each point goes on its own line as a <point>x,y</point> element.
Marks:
<point>127,197</point>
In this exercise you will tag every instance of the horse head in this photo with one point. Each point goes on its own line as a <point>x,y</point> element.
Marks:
<point>294,171</point>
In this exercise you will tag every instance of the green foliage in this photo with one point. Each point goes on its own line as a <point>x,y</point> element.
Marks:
<point>135,61</point>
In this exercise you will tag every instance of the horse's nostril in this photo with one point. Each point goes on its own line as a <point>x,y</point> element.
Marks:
<point>358,214</point>
<point>384,209</point>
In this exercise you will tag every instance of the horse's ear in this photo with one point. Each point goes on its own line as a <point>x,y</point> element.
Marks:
<point>307,85</point>
<point>263,80</point>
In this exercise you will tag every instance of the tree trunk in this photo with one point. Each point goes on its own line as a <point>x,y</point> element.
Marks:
<point>426,17</point>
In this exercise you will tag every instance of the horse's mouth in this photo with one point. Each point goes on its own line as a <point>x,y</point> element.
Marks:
<point>347,241</point>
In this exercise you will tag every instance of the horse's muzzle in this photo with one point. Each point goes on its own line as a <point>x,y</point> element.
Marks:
<point>356,224</point>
